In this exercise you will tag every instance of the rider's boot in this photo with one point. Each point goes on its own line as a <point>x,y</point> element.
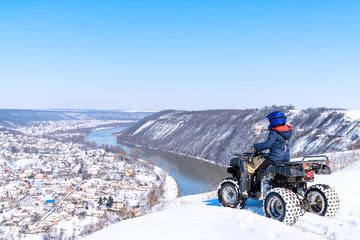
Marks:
<point>255,186</point>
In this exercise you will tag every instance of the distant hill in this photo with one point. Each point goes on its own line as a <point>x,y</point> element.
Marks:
<point>11,117</point>
<point>216,134</point>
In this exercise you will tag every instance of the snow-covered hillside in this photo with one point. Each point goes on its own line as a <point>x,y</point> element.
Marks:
<point>215,134</point>
<point>208,220</point>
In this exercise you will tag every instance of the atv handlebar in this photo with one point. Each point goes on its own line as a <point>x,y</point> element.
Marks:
<point>257,153</point>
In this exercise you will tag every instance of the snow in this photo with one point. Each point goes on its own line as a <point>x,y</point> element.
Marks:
<point>163,130</point>
<point>143,126</point>
<point>353,115</point>
<point>25,163</point>
<point>202,220</point>
<point>171,187</point>
<point>192,217</point>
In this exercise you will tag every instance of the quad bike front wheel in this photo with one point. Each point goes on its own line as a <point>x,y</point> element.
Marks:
<point>323,200</point>
<point>229,194</point>
<point>282,204</point>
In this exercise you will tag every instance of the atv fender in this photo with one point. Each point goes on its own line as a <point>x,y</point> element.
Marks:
<point>238,164</point>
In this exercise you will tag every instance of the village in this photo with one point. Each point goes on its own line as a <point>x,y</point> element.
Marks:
<point>48,186</point>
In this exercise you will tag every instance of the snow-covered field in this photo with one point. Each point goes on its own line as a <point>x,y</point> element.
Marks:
<point>193,218</point>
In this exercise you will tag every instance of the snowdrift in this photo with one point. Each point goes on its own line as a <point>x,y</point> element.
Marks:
<point>206,219</point>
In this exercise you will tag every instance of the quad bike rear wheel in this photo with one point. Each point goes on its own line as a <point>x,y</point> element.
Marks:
<point>229,194</point>
<point>282,204</point>
<point>323,200</point>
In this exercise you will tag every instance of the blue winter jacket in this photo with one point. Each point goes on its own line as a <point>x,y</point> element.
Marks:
<point>278,143</point>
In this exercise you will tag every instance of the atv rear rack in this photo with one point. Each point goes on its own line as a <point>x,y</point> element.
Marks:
<point>320,166</point>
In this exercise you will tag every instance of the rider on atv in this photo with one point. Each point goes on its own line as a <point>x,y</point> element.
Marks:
<point>281,183</point>
<point>277,142</point>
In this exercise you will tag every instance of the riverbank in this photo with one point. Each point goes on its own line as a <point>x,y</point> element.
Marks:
<point>193,175</point>
<point>171,152</point>
<point>123,124</point>
<point>171,186</point>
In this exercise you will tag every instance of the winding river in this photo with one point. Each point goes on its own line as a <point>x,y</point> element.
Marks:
<point>193,176</point>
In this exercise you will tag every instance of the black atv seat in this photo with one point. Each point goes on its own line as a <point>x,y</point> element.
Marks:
<point>285,170</point>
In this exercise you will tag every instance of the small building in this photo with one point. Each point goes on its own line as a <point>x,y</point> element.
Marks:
<point>22,176</point>
<point>129,173</point>
<point>114,184</point>
<point>9,224</point>
<point>118,204</point>
<point>39,176</point>
<point>48,198</point>
<point>4,204</point>
<point>33,191</point>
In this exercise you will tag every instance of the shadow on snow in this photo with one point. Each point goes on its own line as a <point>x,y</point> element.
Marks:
<point>251,205</point>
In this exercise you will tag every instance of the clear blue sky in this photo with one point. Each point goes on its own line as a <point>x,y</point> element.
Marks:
<point>185,54</point>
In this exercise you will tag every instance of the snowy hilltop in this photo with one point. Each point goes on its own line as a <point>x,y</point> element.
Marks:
<point>11,118</point>
<point>193,218</point>
<point>215,134</point>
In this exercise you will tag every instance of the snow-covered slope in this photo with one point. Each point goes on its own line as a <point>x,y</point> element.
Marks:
<point>353,115</point>
<point>208,220</point>
<point>216,134</point>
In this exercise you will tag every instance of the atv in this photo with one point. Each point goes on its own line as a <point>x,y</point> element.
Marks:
<point>284,189</point>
